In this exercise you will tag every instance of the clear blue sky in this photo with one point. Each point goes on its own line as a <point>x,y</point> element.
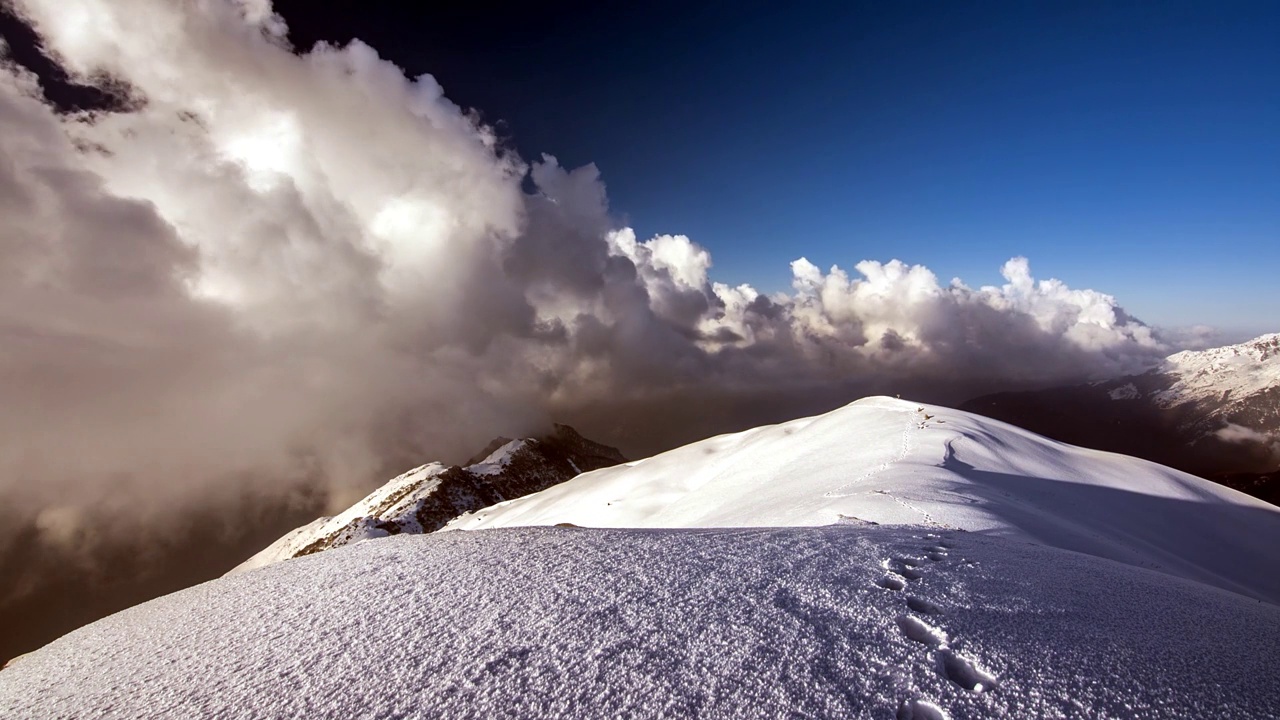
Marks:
<point>1129,147</point>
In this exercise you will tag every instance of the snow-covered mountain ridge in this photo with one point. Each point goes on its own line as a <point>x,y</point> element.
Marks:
<point>1259,350</point>
<point>1215,413</point>
<point>887,461</point>
<point>1226,383</point>
<point>1213,390</point>
<point>883,560</point>
<point>425,498</point>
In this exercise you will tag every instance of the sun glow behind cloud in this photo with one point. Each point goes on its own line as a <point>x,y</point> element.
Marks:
<point>269,153</point>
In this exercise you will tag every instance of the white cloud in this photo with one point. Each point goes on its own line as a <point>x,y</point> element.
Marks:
<point>1234,433</point>
<point>287,263</point>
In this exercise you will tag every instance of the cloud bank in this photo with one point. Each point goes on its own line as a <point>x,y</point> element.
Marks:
<point>278,267</point>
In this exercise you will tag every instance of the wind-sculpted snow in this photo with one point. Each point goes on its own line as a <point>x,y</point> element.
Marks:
<point>728,623</point>
<point>890,461</point>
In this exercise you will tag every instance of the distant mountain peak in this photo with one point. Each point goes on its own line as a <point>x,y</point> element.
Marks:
<point>1214,412</point>
<point>1262,349</point>
<point>488,450</point>
<point>1236,384</point>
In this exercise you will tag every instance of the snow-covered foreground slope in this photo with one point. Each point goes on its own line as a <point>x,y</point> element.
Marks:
<point>847,621</point>
<point>890,461</point>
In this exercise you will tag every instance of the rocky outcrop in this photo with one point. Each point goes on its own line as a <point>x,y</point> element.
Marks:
<point>426,498</point>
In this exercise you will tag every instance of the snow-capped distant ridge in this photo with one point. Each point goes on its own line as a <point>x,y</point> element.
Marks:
<point>423,499</point>
<point>1229,394</point>
<point>1230,375</point>
<point>1214,412</point>
<point>497,461</point>
<point>1258,349</point>
<point>891,462</point>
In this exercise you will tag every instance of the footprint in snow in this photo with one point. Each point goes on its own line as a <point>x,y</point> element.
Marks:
<point>955,667</point>
<point>892,582</point>
<point>907,567</point>
<point>922,632</point>
<point>965,672</point>
<point>920,710</point>
<point>909,573</point>
<point>922,606</point>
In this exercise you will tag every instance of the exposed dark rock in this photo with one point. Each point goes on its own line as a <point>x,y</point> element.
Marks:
<point>437,495</point>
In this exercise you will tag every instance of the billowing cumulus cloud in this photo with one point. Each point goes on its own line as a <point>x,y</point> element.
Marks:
<point>281,268</point>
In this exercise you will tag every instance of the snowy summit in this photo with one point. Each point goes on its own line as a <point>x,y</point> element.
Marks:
<point>887,461</point>
<point>884,560</point>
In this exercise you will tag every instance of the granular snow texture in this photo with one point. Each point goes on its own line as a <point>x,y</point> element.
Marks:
<point>847,621</point>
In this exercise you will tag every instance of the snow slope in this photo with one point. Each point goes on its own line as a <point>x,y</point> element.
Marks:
<point>953,567</point>
<point>845,621</point>
<point>891,461</point>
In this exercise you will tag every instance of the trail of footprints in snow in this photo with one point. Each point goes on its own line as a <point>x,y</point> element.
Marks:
<point>950,664</point>
<point>902,453</point>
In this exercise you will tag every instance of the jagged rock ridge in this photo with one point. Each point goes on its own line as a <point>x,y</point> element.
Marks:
<point>427,497</point>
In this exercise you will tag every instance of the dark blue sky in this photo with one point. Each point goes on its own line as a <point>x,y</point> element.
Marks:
<point>1129,147</point>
